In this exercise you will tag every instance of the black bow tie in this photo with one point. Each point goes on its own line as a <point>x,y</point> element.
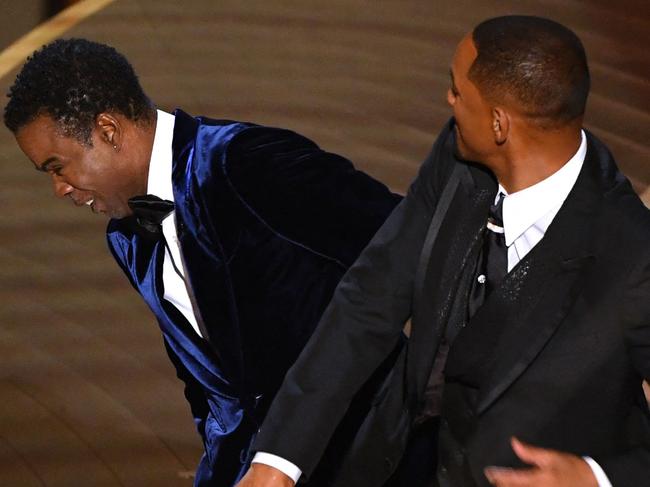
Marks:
<point>149,211</point>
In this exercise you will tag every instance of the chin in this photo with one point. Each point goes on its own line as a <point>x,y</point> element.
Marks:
<point>117,214</point>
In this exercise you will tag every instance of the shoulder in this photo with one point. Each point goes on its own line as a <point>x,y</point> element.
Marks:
<point>625,218</point>
<point>261,148</point>
<point>619,196</point>
<point>239,149</point>
<point>628,218</point>
<point>269,159</point>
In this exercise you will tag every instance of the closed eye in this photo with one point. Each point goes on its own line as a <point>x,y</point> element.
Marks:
<point>51,166</point>
<point>45,166</point>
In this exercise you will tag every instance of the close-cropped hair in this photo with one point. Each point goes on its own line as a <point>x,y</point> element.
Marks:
<point>537,63</point>
<point>73,81</point>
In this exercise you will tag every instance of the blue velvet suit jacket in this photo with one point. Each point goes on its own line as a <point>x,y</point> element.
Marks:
<point>268,224</point>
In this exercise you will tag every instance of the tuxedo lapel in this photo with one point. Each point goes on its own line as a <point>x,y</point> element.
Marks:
<point>547,297</point>
<point>459,236</point>
<point>197,164</point>
<point>521,316</point>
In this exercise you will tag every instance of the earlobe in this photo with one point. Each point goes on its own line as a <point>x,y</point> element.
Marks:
<point>109,130</point>
<point>500,125</point>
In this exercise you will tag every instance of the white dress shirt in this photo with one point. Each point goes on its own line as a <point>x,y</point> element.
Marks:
<point>527,214</point>
<point>159,184</point>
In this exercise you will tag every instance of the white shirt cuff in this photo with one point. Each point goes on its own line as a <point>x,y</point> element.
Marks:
<point>284,466</point>
<point>599,473</point>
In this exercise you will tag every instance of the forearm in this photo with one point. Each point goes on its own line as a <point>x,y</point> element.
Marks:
<point>359,329</point>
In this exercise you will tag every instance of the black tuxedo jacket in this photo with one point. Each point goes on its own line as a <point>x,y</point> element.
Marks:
<point>556,356</point>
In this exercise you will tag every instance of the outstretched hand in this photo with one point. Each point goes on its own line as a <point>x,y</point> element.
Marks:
<point>261,475</point>
<point>550,468</point>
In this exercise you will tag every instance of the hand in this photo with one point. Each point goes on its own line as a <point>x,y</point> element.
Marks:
<point>261,475</point>
<point>550,468</point>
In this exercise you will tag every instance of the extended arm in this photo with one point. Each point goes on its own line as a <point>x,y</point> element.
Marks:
<point>358,330</point>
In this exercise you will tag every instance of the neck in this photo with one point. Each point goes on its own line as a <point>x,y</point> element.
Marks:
<point>532,155</point>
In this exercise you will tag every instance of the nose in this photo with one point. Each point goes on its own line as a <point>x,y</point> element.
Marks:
<point>61,188</point>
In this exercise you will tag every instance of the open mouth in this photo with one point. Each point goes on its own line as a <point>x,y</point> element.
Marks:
<point>93,206</point>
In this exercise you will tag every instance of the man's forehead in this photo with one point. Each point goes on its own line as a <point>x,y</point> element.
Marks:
<point>44,124</point>
<point>38,138</point>
<point>465,54</point>
<point>45,132</point>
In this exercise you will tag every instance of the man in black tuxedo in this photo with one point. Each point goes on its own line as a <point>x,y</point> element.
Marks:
<point>521,255</point>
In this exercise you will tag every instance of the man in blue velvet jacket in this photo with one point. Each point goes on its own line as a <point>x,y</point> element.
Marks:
<point>234,234</point>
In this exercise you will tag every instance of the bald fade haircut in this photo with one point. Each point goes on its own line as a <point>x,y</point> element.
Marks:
<point>73,81</point>
<point>537,63</point>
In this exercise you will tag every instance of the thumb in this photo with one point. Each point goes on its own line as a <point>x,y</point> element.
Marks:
<point>530,454</point>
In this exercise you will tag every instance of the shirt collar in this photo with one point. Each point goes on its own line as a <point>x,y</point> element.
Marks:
<point>159,182</point>
<point>538,204</point>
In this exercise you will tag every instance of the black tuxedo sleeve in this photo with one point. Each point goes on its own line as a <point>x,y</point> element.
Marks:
<point>358,330</point>
<point>632,467</point>
<point>312,197</point>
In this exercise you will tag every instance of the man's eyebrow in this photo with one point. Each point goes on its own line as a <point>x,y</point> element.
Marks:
<point>44,167</point>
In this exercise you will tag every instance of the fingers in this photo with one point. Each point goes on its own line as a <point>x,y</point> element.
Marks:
<point>549,468</point>
<point>539,458</point>
<point>533,455</point>
<point>509,477</point>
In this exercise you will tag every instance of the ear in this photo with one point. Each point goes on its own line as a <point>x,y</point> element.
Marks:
<point>110,130</point>
<point>500,125</point>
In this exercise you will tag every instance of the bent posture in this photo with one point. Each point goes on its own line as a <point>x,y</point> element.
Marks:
<point>234,234</point>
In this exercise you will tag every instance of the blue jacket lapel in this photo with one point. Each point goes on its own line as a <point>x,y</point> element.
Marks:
<point>199,183</point>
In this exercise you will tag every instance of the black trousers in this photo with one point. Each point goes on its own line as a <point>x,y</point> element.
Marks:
<point>418,465</point>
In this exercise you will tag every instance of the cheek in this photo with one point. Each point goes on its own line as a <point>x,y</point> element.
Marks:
<point>79,178</point>
<point>91,174</point>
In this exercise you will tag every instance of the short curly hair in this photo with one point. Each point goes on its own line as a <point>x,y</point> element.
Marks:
<point>73,81</point>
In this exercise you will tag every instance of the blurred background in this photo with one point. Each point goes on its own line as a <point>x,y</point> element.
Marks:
<point>87,396</point>
<point>21,16</point>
